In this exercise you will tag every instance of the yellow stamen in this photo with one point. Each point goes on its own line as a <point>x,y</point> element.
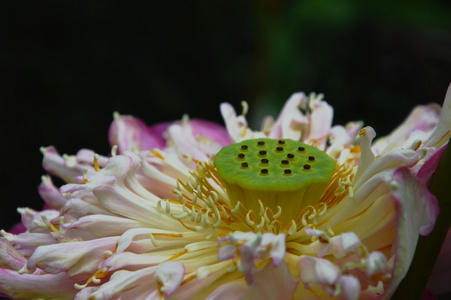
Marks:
<point>96,162</point>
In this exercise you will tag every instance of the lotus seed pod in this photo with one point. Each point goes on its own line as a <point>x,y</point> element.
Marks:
<point>284,173</point>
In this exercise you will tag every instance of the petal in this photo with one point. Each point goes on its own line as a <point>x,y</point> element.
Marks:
<point>417,210</point>
<point>50,193</point>
<point>18,228</point>
<point>169,275</point>
<point>130,133</point>
<point>9,258</point>
<point>124,281</point>
<point>367,135</point>
<point>443,131</point>
<point>350,287</point>
<point>28,286</point>
<point>65,167</point>
<point>211,131</point>
<point>318,270</point>
<point>76,258</point>
<point>237,125</point>
<point>228,291</point>
<point>320,123</point>
<point>376,262</point>
<point>98,226</point>
<point>226,252</point>
<point>339,246</point>
<point>272,283</point>
<point>288,123</point>
<point>427,170</point>
<point>420,122</point>
<point>184,141</point>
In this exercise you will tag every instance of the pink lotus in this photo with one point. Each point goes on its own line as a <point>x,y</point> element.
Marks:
<point>156,220</point>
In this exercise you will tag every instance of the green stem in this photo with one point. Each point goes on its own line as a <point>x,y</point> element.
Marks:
<point>428,248</point>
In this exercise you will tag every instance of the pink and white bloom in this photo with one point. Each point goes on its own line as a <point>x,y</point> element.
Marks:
<point>155,220</point>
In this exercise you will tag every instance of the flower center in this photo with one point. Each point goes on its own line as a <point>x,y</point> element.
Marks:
<point>280,173</point>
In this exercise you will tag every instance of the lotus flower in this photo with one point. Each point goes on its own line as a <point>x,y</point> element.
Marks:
<point>193,210</point>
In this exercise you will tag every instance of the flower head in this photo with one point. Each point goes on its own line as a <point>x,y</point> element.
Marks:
<point>190,209</point>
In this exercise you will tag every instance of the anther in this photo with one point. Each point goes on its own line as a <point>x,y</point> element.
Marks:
<point>306,166</point>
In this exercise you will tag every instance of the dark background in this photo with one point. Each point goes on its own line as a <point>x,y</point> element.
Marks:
<point>66,66</point>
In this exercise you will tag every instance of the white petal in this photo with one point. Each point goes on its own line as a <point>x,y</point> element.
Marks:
<point>170,274</point>
<point>272,283</point>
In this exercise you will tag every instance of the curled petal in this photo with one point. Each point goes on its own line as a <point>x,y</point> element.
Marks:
<point>237,125</point>
<point>248,247</point>
<point>50,193</point>
<point>427,170</point>
<point>350,287</point>
<point>342,244</point>
<point>65,167</point>
<point>376,263</point>
<point>169,275</point>
<point>289,123</point>
<point>318,271</point>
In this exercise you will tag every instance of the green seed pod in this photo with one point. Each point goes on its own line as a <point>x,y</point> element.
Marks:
<point>283,173</point>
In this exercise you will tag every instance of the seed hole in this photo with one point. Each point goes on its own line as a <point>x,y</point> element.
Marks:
<point>306,166</point>
<point>265,161</point>
<point>241,155</point>
<point>287,171</point>
<point>311,158</point>
<point>285,162</point>
<point>301,148</point>
<point>289,155</point>
<point>262,152</point>
<point>264,171</point>
<point>261,143</point>
<point>281,142</point>
<point>279,148</point>
<point>244,147</point>
<point>245,165</point>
